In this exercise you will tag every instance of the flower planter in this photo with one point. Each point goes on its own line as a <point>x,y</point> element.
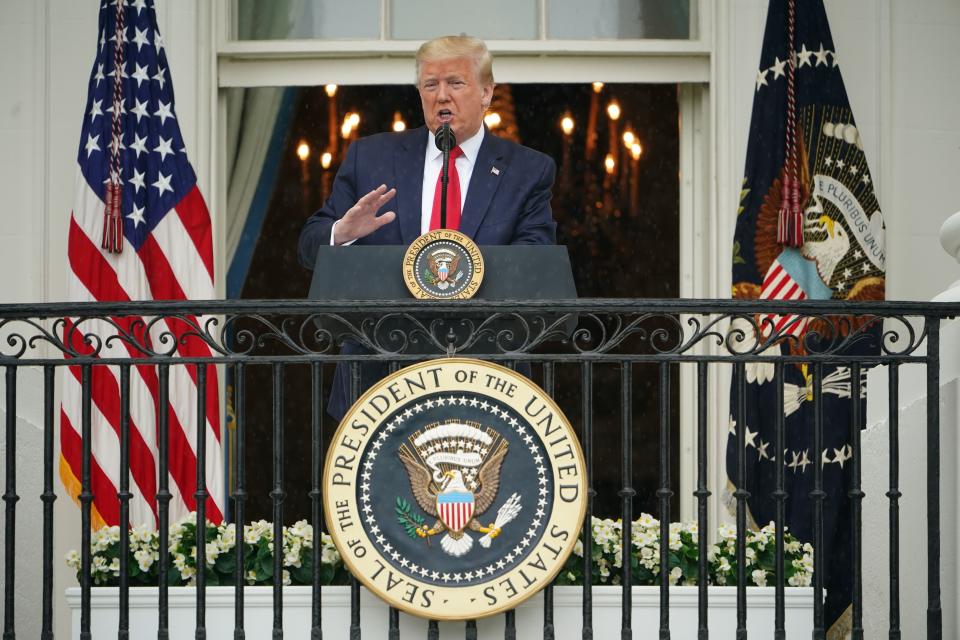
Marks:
<point>374,616</point>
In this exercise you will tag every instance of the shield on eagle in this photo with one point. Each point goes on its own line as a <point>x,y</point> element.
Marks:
<point>455,509</point>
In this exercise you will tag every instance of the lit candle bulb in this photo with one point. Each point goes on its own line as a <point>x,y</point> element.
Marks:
<point>492,119</point>
<point>331,90</point>
<point>613,110</point>
<point>303,150</point>
<point>636,150</point>
<point>566,124</point>
<point>629,138</point>
<point>326,159</point>
<point>609,163</point>
<point>398,123</point>
<point>597,87</point>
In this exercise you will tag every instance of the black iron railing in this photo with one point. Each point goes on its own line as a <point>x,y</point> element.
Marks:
<point>583,335</point>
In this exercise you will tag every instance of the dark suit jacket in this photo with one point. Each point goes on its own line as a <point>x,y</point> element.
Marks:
<point>508,202</point>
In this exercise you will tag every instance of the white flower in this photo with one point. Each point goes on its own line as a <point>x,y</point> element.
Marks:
<point>675,574</point>
<point>144,559</point>
<point>759,577</point>
<point>213,550</point>
<point>330,555</point>
<point>675,542</point>
<point>73,559</point>
<point>578,548</point>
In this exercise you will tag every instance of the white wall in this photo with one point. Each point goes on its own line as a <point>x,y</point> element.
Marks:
<point>897,58</point>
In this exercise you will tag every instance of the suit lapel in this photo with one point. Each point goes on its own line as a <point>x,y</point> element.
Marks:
<point>483,184</point>
<point>408,168</point>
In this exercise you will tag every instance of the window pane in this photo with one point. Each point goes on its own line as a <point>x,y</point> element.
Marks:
<point>304,19</point>
<point>425,19</point>
<point>618,19</point>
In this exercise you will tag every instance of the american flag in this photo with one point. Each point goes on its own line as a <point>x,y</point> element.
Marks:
<point>134,177</point>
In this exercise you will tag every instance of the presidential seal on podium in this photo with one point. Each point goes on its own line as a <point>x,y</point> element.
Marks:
<point>455,489</point>
<point>443,264</point>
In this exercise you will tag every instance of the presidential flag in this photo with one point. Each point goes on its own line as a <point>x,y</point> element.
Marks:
<point>139,231</point>
<point>808,227</point>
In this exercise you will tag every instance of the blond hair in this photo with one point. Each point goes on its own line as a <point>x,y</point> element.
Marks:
<point>447,47</point>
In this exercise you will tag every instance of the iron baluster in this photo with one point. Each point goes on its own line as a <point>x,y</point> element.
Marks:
<point>200,497</point>
<point>276,496</point>
<point>934,612</point>
<point>818,495</point>
<point>780,496</point>
<point>741,494</point>
<point>86,500</point>
<point>163,500</point>
<point>48,497</point>
<point>10,498</point>
<point>548,629</point>
<point>239,497</point>
<point>663,495</point>
<point>586,418</point>
<point>702,494</point>
<point>316,493</point>
<point>893,411</point>
<point>627,493</point>
<point>354,584</point>
<point>124,496</point>
<point>856,501</point>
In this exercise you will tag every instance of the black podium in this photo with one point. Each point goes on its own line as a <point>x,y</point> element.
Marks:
<point>520,272</point>
<point>511,272</point>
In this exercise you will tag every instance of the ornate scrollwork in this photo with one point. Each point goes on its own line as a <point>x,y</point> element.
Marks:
<point>643,328</point>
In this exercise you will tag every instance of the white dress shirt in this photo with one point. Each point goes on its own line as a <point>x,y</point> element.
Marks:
<point>432,164</point>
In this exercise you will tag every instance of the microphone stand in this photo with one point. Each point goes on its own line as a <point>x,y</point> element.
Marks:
<point>445,141</point>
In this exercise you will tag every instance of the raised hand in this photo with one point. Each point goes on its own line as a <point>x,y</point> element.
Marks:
<point>361,219</point>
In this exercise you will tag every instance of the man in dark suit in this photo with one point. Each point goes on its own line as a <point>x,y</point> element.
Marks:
<point>499,192</point>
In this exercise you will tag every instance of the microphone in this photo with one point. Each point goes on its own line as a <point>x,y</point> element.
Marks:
<point>444,137</point>
<point>445,141</point>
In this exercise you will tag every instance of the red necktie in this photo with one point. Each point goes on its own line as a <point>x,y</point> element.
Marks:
<point>453,194</point>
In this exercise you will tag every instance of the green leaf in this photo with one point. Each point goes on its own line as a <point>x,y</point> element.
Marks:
<point>327,573</point>
<point>226,562</point>
<point>266,566</point>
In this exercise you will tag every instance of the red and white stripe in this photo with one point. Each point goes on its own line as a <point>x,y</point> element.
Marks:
<point>455,515</point>
<point>779,285</point>
<point>175,263</point>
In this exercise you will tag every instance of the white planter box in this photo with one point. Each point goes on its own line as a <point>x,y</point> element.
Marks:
<point>373,616</point>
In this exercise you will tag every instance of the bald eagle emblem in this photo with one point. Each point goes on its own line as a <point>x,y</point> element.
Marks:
<point>454,472</point>
<point>441,269</point>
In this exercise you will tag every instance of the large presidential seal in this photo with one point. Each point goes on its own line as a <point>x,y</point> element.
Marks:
<point>443,265</point>
<point>455,489</point>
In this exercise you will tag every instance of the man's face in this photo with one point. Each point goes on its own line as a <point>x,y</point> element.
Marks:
<point>451,91</point>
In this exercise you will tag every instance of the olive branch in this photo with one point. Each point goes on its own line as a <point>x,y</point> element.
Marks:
<point>409,521</point>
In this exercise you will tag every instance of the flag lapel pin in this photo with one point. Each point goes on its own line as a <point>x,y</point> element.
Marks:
<point>495,171</point>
